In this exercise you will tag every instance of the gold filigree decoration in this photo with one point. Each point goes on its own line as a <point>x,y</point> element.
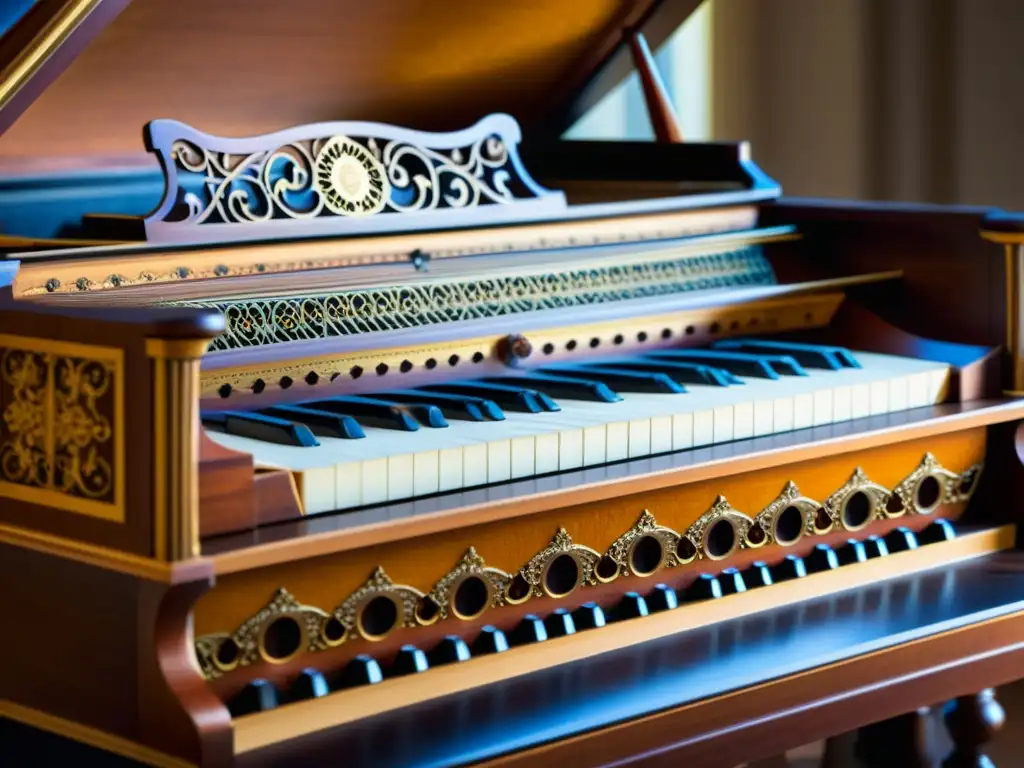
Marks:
<point>61,443</point>
<point>703,531</point>
<point>765,529</point>
<point>379,585</point>
<point>946,488</point>
<point>536,572</point>
<point>275,320</point>
<point>221,653</point>
<point>847,508</point>
<point>645,531</point>
<point>441,598</point>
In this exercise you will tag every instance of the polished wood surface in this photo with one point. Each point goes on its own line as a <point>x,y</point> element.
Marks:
<point>428,66</point>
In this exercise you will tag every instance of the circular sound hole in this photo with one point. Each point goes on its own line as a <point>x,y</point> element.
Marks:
<point>227,654</point>
<point>685,550</point>
<point>646,556</point>
<point>427,610</point>
<point>789,526</point>
<point>281,639</point>
<point>720,540</point>
<point>894,505</point>
<point>378,617</point>
<point>562,576</point>
<point>518,590</point>
<point>822,520</point>
<point>856,511</point>
<point>333,631</point>
<point>607,569</point>
<point>471,598</point>
<point>928,493</point>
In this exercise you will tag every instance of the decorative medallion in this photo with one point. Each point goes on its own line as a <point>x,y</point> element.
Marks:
<point>641,551</point>
<point>466,591</point>
<point>854,505</point>
<point>925,489</point>
<point>378,607</point>
<point>719,532</point>
<point>785,520</point>
<point>351,180</point>
<point>556,571</point>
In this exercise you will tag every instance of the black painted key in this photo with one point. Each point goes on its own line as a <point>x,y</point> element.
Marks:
<point>371,412</point>
<point>620,378</point>
<point>739,363</point>
<point>259,427</point>
<point>323,423</point>
<point>684,373</point>
<point>563,386</point>
<point>465,407</point>
<point>513,398</point>
<point>809,355</point>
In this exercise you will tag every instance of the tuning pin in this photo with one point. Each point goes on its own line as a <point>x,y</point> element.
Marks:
<point>823,558</point>
<point>731,581</point>
<point>704,587</point>
<point>490,640</point>
<point>530,630</point>
<point>362,670</point>
<point>940,530</point>
<point>257,696</point>
<point>662,598</point>
<point>588,616</point>
<point>310,684</point>
<point>409,660</point>
<point>757,575</point>
<point>900,540</point>
<point>449,651</point>
<point>792,567</point>
<point>631,606</point>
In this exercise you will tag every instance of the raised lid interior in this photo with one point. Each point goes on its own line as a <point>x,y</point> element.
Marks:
<point>246,67</point>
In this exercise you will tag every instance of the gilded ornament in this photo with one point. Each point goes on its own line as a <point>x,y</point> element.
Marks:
<point>719,532</point>
<point>359,614</point>
<point>642,550</point>
<point>784,520</point>
<point>855,505</point>
<point>484,587</point>
<point>927,488</point>
<point>556,571</point>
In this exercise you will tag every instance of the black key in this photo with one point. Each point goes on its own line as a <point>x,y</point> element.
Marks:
<point>940,530</point>
<point>852,552</point>
<point>662,598</point>
<point>900,540</point>
<point>370,411</point>
<point>875,546</point>
<point>620,378</point>
<point>323,423</point>
<point>738,363</point>
<point>362,670</point>
<point>705,587</point>
<point>809,355</point>
<point>259,427</point>
<point>563,386</point>
<point>409,660</point>
<point>257,696</point>
<point>792,567</point>
<point>732,582</point>
<point>757,575</point>
<point>530,630</point>
<point>310,684</point>
<point>514,398</point>
<point>588,616</point>
<point>560,623</point>
<point>463,407</point>
<point>684,373</point>
<point>631,606</point>
<point>451,650</point>
<point>490,640</point>
<point>823,558</point>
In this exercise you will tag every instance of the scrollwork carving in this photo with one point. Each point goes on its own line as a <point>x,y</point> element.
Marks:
<point>379,585</point>
<point>470,566</point>
<point>538,572</point>
<point>646,531</point>
<point>928,487</point>
<point>856,504</point>
<point>768,526</point>
<point>699,534</point>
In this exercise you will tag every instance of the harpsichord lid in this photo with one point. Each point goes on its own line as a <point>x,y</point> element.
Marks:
<point>81,77</point>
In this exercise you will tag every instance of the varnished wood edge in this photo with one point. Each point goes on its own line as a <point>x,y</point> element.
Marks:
<point>107,559</point>
<point>90,736</point>
<point>315,545</point>
<point>304,718</point>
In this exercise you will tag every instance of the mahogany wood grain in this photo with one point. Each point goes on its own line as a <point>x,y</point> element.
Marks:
<point>227,500</point>
<point>110,651</point>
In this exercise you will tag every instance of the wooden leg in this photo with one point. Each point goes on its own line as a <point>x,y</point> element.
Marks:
<point>972,722</point>
<point>901,742</point>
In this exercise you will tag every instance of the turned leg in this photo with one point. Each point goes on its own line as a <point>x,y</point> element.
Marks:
<point>972,722</point>
<point>901,742</point>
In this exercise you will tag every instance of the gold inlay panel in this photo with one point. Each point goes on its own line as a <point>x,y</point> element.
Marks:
<point>62,426</point>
